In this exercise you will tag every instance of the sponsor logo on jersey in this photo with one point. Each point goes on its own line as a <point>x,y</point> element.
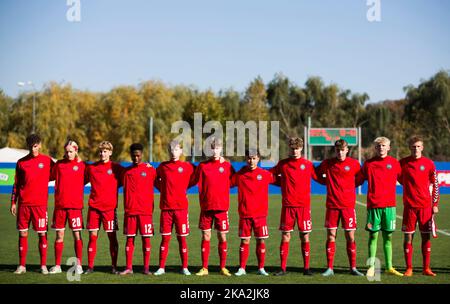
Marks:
<point>40,165</point>
<point>109,171</point>
<point>75,168</point>
<point>389,166</point>
<point>302,167</point>
<point>143,174</point>
<point>422,168</point>
<point>221,169</point>
<point>347,168</point>
<point>180,169</point>
<point>259,177</point>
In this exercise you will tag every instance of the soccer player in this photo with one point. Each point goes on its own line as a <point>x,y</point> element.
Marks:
<point>418,174</point>
<point>104,176</point>
<point>295,173</point>
<point>138,181</point>
<point>213,179</point>
<point>253,187</point>
<point>173,181</point>
<point>68,174</point>
<point>340,178</point>
<point>29,200</point>
<point>381,173</point>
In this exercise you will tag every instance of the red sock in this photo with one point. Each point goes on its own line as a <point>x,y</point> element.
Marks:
<point>331,248</point>
<point>284,252</point>
<point>164,250</point>
<point>182,246</point>
<point>305,254</point>
<point>129,251</point>
<point>59,247</point>
<point>113,248</point>
<point>223,254</point>
<point>92,250</point>
<point>205,253</point>
<point>146,247</point>
<point>426,253</point>
<point>408,248</point>
<point>43,249</point>
<point>351,253</point>
<point>261,254</point>
<point>243,255</point>
<point>23,249</point>
<point>79,251</point>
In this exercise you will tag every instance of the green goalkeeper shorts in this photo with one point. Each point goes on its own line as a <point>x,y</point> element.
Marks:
<point>381,219</point>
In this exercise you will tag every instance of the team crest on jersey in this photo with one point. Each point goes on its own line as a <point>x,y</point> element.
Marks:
<point>302,167</point>
<point>143,174</point>
<point>389,166</point>
<point>259,177</point>
<point>109,171</point>
<point>75,168</point>
<point>221,169</point>
<point>180,169</point>
<point>422,168</point>
<point>40,165</point>
<point>347,168</point>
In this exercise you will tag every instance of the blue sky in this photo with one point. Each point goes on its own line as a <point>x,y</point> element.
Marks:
<point>220,44</point>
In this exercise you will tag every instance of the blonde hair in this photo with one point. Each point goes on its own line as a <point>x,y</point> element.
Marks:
<point>382,140</point>
<point>72,144</point>
<point>105,145</point>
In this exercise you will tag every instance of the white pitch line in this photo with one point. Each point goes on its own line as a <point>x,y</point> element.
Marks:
<point>401,217</point>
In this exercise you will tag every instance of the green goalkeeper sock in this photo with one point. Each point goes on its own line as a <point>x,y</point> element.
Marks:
<point>373,239</point>
<point>387,246</point>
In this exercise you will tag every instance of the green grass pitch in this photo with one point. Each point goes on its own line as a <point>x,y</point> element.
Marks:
<point>440,256</point>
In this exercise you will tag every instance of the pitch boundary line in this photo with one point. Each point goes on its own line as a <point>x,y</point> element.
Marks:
<point>401,217</point>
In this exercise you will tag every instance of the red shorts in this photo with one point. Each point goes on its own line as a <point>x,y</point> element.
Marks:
<point>290,214</point>
<point>178,217</point>
<point>131,223</point>
<point>108,218</point>
<point>36,214</point>
<point>413,215</point>
<point>347,215</point>
<point>74,216</point>
<point>219,217</point>
<point>258,224</point>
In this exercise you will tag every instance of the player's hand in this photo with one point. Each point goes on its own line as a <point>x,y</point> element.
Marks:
<point>149,165</point>
<point>222,159</point>
<point>435,209</point>
<point>13,209</point>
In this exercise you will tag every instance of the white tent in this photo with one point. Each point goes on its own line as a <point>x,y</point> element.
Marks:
<point>11,155</point>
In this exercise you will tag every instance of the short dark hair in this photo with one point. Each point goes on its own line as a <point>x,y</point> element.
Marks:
<point>295,142</point>
<point>415,138</point>
<point>33,139</point>
<point>136,147</point>
<point>252,152</point>
<point>340,144</point>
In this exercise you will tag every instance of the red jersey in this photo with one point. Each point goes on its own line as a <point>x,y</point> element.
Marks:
<point>381,175</point>
<point>104,179</point>
<point>253,189</point>
<point>417,176</point>
<point>296,174</point>
<point>213,179</point>
<point>31,180</point>
<point>138,181</point>
<point>173,182</point>
<point>69,184</point>
<point>340,181</point>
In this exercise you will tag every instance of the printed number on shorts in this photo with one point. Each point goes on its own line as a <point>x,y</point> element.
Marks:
<point>265,230</point>
<point>41,223</point>
<point>224,225</point>
<point>111,225</point>
<point>183,228</point>
<point>307,225</point>
<point>393,225</point>
<point>148,228</point>
<point>350,222</point>
<point>76,222</point>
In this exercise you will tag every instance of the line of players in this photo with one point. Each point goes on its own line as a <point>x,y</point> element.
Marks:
<point>214,177</point>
